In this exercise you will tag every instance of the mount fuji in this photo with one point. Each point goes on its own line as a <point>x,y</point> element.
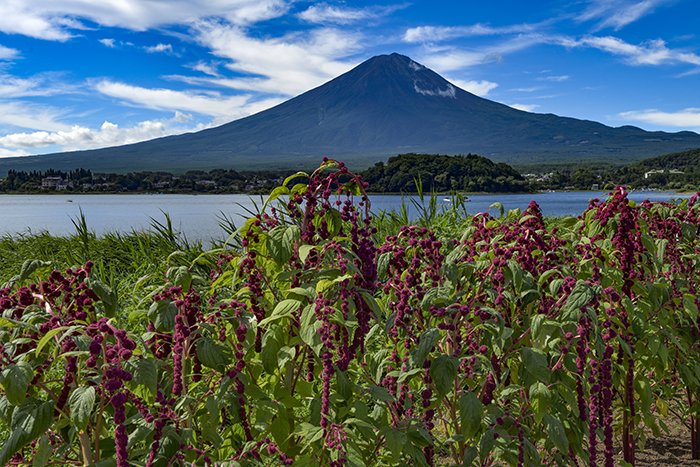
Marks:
<point>387,105</point>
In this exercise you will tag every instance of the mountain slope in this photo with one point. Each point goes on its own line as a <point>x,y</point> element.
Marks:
<point>384,106</point>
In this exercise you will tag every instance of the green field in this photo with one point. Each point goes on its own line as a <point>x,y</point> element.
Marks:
<point>324,334</point>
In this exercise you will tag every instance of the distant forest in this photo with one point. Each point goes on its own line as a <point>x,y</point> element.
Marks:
<point>405,173</point>
<point>677,171</point>
<point>470,173</point>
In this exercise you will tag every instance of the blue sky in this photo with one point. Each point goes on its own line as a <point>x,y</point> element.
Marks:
<point>77,74</point>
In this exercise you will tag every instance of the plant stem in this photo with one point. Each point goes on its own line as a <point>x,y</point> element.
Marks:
<point>85,448</point>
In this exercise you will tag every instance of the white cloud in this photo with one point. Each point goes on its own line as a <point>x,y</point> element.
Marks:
<point>480,88</point>
<point>525,107</point>
<point>79,137</point>
<point>56,19</point>
<point>445,59</point>
<point>107,42</point>
<point>7,53</point>
<point>617,14</point>
<point>554,78</point>
<point>685,118</point>
<point>286,65</point>
<point>23,114</point>
<point>324,13</point>
<point>206,68</point>
<point>648,53</point>
<point>442,33</point>
<point>159,48</point>
<point>223,108</point>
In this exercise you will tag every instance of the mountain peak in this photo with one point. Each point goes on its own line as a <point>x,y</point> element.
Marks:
<point>386,105</point>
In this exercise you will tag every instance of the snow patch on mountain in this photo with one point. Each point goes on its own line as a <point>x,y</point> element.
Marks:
<point>415,66</point>
<point>450,91</point>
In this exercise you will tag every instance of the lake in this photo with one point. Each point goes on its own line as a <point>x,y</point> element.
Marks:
<point>196,215</point>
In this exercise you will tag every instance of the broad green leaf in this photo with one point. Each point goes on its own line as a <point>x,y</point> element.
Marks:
<point>283,309</point>
<point>395,441</point>
<point>470,412</point>
<point>212,355</point>
<point>427,341</point>
<point>380,393</point>
<point>15,380</point>
<point>146,374</point>
<point>46,338</point>
<point>43,452</point>
<point>557,433</point>
<point>304,251</point>
<point>162,315</point>
<point>81,403</point>
<point>29,422</point>
<point>540,399</point>
<point>443,371</point>
<point>107,296</point>
<point>535,367</point>
<point>580,296</point>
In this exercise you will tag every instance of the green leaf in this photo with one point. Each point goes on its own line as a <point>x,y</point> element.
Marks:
<point>284,309</point>
<point>15,380</point>
<point>443,371</point>
<point>146,374</point>
<point>310,433</point>
<point>304,251</point>
<point>308,330</point>
<point>580,296</point>
<point>29,421</point>
<point>380,393</point>
<point>344,385</point>
<point>107,296</point>
<point>212,355</point>
<point>395,441</point>
<point>557,433</point>
<point>540,399</point>
<point>29,267</point>
<point>294,176</point>
<point>427,341</point>
<point>280,243</point>
<point>277,192</point>
<point>470,412</point>
<point>43,452</point>
<point>183,278</point>
<point>81,403</point>
<point>46,338</point>
<point>535,367</point>
<point>162,315</point>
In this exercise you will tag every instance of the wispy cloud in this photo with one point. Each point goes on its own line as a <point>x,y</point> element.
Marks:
<point>108,42</point>
<point>57,19</point>
<point>653,52</point>
<point>7,53</point>
<point>23,114</point>
<point>286,65</point>
<point>525,107</point>
<point>554,78</point>
<point>223,108</point>
<point>479,87</point>
<point>206,68</point>
<point>159,48</point>
<point>443,33</point>
<point>685,118</point>
<point>324,13</point>
<point>80,137</point>
<point>449,58</point>
<point>617,14</point>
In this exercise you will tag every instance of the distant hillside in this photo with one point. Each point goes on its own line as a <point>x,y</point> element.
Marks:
<point>687,161</point>
<point>442,174</point>
<point>387,105</point>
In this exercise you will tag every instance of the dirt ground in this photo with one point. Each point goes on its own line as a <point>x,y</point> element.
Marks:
<point>671,449</point>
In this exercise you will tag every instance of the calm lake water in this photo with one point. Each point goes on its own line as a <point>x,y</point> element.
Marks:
<point>196,215</point>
